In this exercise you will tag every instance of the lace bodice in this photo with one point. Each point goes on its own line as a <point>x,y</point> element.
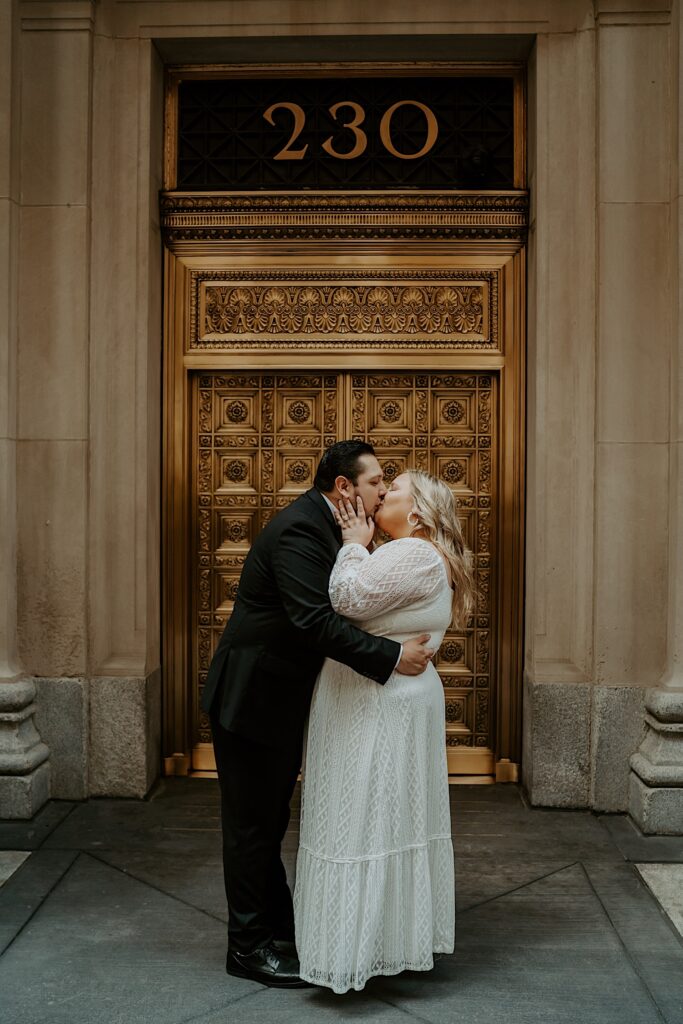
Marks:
<point>399,590</point>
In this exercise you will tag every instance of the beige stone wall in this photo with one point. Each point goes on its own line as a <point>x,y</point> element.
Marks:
<point>81,238</point>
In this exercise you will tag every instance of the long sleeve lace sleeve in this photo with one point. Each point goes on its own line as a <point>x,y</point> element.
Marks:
<point>396,574</point>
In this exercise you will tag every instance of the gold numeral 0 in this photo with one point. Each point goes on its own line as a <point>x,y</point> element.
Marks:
<point>385,130</point>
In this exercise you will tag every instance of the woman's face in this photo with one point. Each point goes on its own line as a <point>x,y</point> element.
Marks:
<point>392,515</point>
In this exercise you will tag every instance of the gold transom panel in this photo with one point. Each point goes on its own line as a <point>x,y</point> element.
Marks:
<point>419,309</point>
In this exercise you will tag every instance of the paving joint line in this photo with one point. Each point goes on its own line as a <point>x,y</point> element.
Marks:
<point>58,824</point>
<point>46,896</point>
<point>660,907</point>
<point>150,885</point>
<point>629,956</point>
<point>508,892</point>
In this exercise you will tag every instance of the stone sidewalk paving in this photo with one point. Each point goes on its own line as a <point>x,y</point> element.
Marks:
<point>117,916</point>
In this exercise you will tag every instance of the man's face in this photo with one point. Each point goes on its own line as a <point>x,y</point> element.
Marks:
<point>369,484</point>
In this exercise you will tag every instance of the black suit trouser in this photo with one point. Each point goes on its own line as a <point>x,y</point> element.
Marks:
<point>256,784</point>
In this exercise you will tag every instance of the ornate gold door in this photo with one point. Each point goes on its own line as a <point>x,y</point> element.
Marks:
<point>344,257</point>
<point>257,437</point>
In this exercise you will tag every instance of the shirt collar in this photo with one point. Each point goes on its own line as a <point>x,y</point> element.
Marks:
<point>329,504</point>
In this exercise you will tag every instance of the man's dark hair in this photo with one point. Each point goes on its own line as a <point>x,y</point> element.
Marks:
<point>340,459</point>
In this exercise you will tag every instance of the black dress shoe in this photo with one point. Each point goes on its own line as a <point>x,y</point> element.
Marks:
<point>266,965</point>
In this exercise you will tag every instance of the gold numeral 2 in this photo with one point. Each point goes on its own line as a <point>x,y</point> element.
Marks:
<point>299,121</point>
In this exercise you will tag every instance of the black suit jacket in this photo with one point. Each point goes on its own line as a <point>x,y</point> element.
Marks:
<point>261,678</point>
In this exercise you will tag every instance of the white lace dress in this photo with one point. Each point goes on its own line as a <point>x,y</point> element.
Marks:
<point>375,890</point>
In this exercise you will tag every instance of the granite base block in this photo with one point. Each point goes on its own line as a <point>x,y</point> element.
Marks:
<point>658,811</point>
<point>556,756</point>
<point>21,796</point>
<point>125,734</point>
<point>617,728</point>
<point>62,720</point>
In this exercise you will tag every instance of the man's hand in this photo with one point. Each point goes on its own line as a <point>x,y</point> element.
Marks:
<point>415,656</point>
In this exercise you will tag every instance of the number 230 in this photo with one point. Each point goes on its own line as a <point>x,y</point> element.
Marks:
<point>354,125</point>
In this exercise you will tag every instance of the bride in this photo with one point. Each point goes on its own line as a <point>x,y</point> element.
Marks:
<point>374,890</point>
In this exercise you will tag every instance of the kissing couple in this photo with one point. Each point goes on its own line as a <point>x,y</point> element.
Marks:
<point>324,666</point>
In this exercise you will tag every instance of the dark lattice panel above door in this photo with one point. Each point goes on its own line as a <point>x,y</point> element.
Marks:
<point>225,142</point>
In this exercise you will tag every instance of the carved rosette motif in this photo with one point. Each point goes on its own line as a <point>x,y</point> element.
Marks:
<point>237,412</point>
<point>236,471</point>
<point>298,472</point>
<point>451,651</point>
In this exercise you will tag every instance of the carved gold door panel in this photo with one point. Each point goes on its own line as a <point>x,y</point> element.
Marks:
<point>443,423</point>
<point>257,438</point>
<point>257,441</point>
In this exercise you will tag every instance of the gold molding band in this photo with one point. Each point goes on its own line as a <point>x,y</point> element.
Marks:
<point>197,217</point>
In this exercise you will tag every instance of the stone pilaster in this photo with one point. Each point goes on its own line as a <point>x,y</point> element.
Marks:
<point>656,780</point>
<point>24,771</point>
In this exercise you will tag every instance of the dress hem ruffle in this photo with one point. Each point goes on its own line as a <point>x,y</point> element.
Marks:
<point>385,913</point>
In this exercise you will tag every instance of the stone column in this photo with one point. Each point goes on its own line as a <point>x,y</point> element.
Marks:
<point>24,772</point>
<point>52,374</point>
<point>561,399</point>
<point>656,782</point>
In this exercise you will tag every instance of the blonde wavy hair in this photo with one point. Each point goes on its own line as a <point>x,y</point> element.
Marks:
<point>437,521</point>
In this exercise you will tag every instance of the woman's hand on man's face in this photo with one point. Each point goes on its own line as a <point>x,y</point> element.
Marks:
<point>356,527</point>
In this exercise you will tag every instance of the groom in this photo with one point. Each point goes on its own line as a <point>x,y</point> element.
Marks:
<point>258,692</point>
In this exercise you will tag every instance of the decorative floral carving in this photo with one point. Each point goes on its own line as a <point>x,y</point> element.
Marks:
<point>481,713</point>
<point>484,471</point>
<point>293,308</point>
<point>453,471</point>
<point>330,410</point>
<point>204,523</point>
<point>236,471</point>
<point>482,651</point>
<point>205,412</point>
<point>453,411</point>
<point>267,471</point>
<point>458,740</point>
<point>451,651</point>
<point>454,711</point>
<point>237,412</point>
<point>391,468</point>
<point>235,530</point>
<point>390,411</point>
<point>484,411</point>
<point>299,411</point>
<point>205,590</point>
<point>298,472</point>
<point>204,470</point>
